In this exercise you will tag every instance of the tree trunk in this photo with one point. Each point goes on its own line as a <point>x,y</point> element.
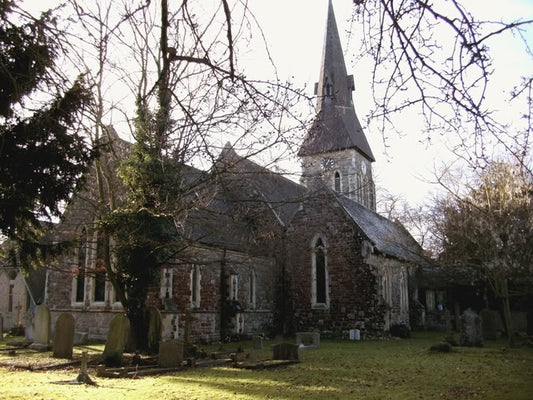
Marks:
<point>507,313</point>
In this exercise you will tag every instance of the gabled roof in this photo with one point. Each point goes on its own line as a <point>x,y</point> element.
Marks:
<point>388,237</point>
<point>249,182</point>
<point>336,126</point>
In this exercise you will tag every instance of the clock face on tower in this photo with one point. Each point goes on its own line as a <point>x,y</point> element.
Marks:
<point>363,167</point>
<point>327,163</point>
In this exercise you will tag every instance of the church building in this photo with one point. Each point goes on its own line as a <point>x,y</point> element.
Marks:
<point>265,254</point>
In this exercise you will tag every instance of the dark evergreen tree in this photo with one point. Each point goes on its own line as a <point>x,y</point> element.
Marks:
<point>42,153</point>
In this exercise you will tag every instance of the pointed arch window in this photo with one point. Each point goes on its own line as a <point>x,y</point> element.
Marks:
<point>99,270</point>
<point>79,279</point>
<point>337,181</point>
<point>320,274</point>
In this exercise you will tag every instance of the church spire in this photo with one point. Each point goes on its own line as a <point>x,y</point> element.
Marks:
<point>336,126</point>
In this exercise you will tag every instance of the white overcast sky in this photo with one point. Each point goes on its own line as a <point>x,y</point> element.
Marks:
<point>294,30</point>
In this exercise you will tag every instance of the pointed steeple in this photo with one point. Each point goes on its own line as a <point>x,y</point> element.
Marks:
<point>336,126</point>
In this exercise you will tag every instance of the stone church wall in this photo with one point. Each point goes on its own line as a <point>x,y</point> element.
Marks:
<point>353,299</point>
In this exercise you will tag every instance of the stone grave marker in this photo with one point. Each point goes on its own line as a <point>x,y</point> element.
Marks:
<point>29,318</point>
<point>471,332</point>
<point>308,340</point>
<point>154,328</point>
<point>285,351</point>
<point>41,328</point>
<point>1,327</point>
<point>116,340</point>
<point>170,354</point>
<point>257,342</point>
<point>64,336</point>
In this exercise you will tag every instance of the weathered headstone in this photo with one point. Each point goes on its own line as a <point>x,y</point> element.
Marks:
<point>116,340</point>
<point>490,321</point>
<point>285,351</point>
<point>1,328</point>
<point>471,332</point>
<point>64,336</point>
<point>257,342</point>
<point>355,334</point>
<point>41,328</point>
<point>29,318</point>
<point>308,340</point>
<point>170,354</point>
<point>154,328</point>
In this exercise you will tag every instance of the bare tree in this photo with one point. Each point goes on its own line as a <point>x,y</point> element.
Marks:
<point>435,58</point>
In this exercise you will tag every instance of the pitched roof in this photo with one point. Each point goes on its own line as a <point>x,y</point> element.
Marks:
<point>336,126</point>
<point>248,181</point>
<point>388,237</point>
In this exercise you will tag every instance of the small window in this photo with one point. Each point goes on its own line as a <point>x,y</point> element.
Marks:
<point>195,286</point>
<point>10,296</point>
<point>252,289</point>
<point>337,181</point>
<point>234,287</point>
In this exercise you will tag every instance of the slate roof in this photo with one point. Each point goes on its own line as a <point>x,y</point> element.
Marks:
<point>336,126</point>
<point>388,237</point>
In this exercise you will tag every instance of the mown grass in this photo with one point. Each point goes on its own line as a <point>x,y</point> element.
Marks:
<point>392,369</point>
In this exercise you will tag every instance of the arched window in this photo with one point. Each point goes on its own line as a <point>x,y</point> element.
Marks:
<point>79,280</point>
<point>252,290</point>
<point>195,286</point>
<point>337,181</point>
<point>320,275</point>
<point>99,270</point>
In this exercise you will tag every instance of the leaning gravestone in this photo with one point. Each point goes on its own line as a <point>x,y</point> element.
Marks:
<point>285,351</point>
<point>170,354</point>
<point>471,332</point>
<point>41,328</point>
<point>154,328</point>
<point>64,336</point>
<point>116,340</point>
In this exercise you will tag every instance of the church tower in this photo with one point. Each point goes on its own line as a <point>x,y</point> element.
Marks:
<point>335,149</point>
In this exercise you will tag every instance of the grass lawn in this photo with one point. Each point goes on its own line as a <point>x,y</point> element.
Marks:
<point>392,369</point>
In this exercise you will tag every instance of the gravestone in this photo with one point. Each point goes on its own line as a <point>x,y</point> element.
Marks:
<point>116,340</point>
<point>285,351</point>
<point>29,318</point>
<point>64,336</point>
<point>490,321</point>
<point>41,328</point>
<point>308,340</point>
<point>154,328</point>
<point>471,332</point>
<point>257,342</point>
<point>1,328</point>
<point>170,354</point>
